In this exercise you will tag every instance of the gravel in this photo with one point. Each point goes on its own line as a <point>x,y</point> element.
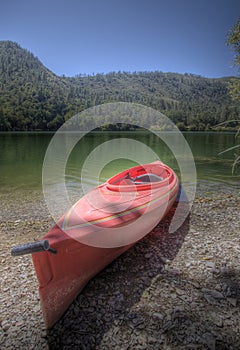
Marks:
<point>170,291</point>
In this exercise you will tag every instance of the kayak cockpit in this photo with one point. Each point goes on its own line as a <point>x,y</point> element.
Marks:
<point>140,178</point>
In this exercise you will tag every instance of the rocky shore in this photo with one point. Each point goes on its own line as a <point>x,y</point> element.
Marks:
<point>170,291</point>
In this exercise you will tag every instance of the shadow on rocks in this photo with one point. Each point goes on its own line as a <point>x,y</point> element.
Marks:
<point>107,299</point>
<point>208,317</point>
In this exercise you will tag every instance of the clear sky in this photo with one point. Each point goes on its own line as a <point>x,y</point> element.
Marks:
<point>97,36</point>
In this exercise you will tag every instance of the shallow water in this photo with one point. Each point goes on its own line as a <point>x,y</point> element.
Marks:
<point>22,156</point>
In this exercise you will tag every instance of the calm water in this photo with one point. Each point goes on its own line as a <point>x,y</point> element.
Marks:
<point>22,155</point>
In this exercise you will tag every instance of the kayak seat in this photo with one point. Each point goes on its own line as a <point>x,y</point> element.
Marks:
<point>147,178</point>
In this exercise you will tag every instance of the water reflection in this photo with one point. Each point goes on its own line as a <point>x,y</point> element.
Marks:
<point>22,154</point>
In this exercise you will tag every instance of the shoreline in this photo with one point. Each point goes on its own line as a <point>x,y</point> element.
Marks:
<point>170,291</point>
<point>212,131</point>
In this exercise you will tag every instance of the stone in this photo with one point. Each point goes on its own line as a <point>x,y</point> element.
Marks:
<point>211,300</point>
<point>5,325</point>
<point>210,264</point>
<point>216,294</point>
<point>232,301</point>
<point>158,315</point>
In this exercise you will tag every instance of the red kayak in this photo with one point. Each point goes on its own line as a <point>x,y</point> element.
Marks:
<point>103,224</point>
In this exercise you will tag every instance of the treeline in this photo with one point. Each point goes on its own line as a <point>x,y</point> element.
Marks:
<point>34,98</point>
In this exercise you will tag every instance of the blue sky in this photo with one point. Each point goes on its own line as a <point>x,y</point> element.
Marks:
<point>95,36</point>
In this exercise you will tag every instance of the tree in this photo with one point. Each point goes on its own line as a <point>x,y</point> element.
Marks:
<point>233,40</point>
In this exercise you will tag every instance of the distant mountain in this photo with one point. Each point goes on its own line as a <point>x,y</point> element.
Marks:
<point>34,98</point>
<point>31,96</point>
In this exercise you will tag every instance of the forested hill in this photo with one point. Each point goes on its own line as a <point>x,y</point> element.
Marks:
<point>34,98</point>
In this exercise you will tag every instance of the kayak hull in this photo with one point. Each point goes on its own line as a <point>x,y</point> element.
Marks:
<point>79,256</point>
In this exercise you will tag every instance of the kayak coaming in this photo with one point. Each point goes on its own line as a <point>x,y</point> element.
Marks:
<point>63,276</point>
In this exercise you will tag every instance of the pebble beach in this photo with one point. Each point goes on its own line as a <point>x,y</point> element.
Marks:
<point>170,291</point>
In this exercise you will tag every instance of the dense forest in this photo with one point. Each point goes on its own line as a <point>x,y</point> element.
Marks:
<point>34,98</point>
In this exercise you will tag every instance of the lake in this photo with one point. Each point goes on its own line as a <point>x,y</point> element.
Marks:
<point>22,155</point>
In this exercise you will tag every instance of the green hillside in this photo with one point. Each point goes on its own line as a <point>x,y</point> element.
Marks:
<point>34,98</point>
